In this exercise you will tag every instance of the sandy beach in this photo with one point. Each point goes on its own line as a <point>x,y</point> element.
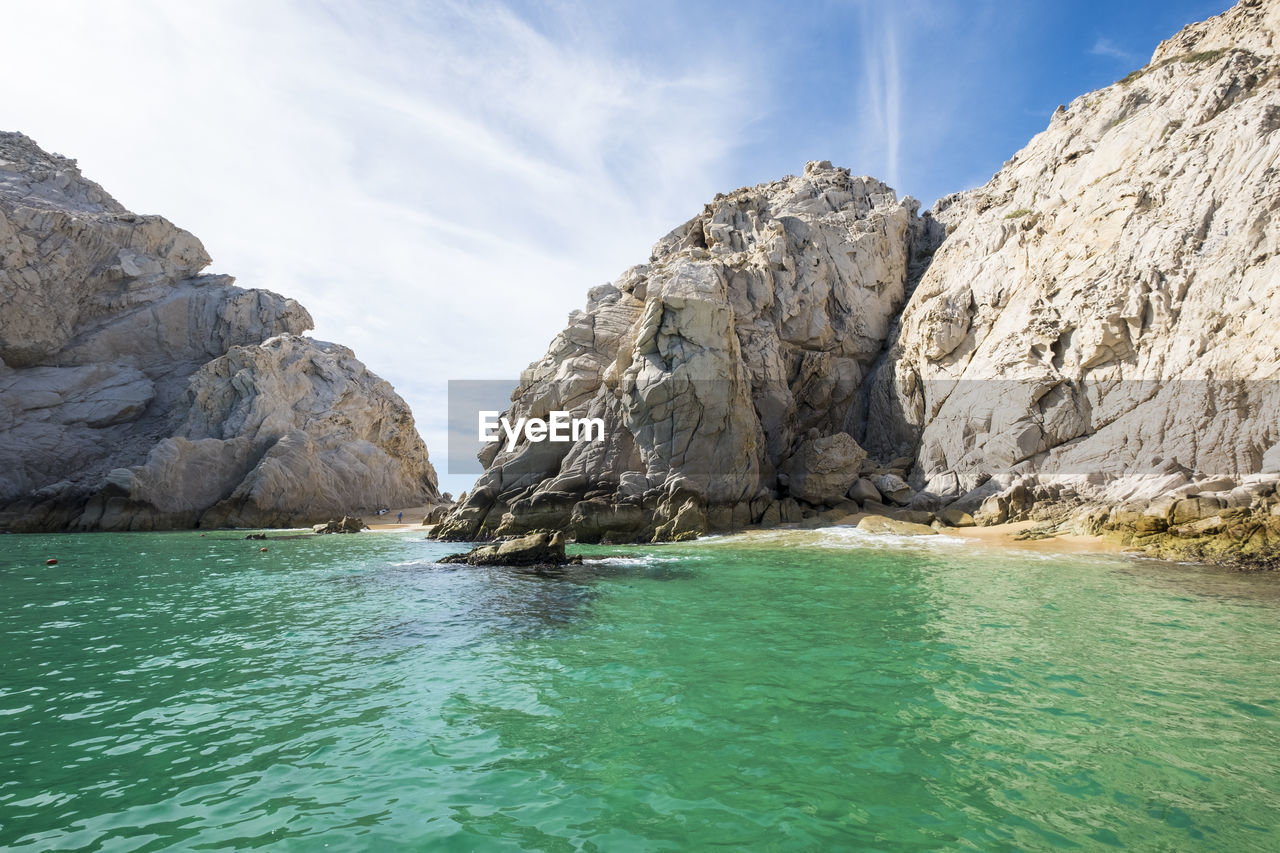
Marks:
<point>1003,535</point>
<point>387,523</point>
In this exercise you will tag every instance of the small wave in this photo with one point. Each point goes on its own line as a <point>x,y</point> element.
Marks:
<point>636,560</point>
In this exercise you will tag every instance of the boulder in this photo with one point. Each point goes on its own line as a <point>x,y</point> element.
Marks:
<point>347,524</point>
<point>893,488</point>
<point>863,490</point>
<point>435,515</point>
<point>534,550</point>
<point>822,470</point>
<point>881,524</point>
<point>956,518</point>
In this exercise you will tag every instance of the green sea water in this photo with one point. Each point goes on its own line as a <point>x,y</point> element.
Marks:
<point>798,691</point>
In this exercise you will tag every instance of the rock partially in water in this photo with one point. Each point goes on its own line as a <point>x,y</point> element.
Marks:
<point>535,550</point>
<point>348,524</point>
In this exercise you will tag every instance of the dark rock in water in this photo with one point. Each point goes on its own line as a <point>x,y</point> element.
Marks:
<point>256,536</point>
<point>348,524</point>
<point>536,549</point>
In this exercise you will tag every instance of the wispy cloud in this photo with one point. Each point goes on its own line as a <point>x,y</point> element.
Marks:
<point>439,182</point>
<point>1105,47</point>
<point>882,88</point>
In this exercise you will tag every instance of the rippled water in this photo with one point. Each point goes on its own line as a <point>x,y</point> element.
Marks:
<point>807,691</point>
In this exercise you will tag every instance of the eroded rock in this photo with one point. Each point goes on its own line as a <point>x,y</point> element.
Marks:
<point>137,393</point>
<point>540,549</point>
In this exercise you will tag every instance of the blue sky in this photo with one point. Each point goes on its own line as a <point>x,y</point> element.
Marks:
<point>441,182</point>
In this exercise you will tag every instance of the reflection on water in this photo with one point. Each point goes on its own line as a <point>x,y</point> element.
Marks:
<point>796,690</point>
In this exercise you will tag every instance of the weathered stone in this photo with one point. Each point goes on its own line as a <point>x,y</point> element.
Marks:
<point>137,393</point>
<point>893,488</point>
<point>534,550</point>
<point>435,515</point>
<point>822,470</point>
<point>880,524</point>
<point>1101,313</point>
<point>347,524</point>
<point>1194,509</point>
<point>729,364</point>
<point>863,490</point>
<point>956,518</point>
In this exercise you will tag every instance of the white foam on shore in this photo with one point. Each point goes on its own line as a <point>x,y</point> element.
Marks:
<point>637,560</point>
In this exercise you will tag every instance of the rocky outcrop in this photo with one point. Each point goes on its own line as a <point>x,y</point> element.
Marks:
<point>536,550</point>
<point>346,524</point>
<point>1098,328</point>
<point>136,393</point>
<point>724,369</point>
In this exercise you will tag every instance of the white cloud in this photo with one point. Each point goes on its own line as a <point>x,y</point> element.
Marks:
<point>1105,47</point>
<point>882,91</point>
<point>438,182</point>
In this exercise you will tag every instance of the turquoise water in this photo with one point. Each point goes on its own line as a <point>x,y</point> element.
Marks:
<point>803,691</point>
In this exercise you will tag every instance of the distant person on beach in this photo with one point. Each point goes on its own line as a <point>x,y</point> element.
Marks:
<point>399,517</point>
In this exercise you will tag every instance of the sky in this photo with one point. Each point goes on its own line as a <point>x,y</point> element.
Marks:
<point>440,183</point>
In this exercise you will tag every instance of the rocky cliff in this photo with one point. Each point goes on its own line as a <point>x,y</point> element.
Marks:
<point>1099,330</point>
<point>726,369</point>
<point>136,393</point>
<point>1101,327</point>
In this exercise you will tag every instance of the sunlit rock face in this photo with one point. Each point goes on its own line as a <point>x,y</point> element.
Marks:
<point>1100,325</point>
<point>1102,321</point>
<point>136,393</point>
<point>716,366</point>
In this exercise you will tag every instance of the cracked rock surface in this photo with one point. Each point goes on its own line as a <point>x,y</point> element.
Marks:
<point>1097,325</point>
<point>137,393</point>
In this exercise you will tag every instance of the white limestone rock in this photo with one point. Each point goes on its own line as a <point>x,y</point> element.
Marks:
<point>1103,316</point>
<point>748,333</point>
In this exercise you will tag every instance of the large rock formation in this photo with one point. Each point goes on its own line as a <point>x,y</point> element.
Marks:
<point>722,368</point>
<point>1100,326</point>
<point>136,393</point>
<point>1104,309</point>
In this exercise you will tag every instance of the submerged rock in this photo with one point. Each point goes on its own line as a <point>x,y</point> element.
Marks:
<point>137,393</point>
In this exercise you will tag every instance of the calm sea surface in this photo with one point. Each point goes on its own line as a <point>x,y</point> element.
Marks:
<point>800,691</point>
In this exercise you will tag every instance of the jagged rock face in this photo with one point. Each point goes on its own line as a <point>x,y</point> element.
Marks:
<point>136,393</point>
<point>748,333</point>
<point>1099,325</point>
<point>1102,320</point>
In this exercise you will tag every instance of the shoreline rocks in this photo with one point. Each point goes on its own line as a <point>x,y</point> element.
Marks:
<point>726,370</point>
<point>137,393</point>
<point>1093,329</point>
<point>536,550</point>
<point>347,524</point>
